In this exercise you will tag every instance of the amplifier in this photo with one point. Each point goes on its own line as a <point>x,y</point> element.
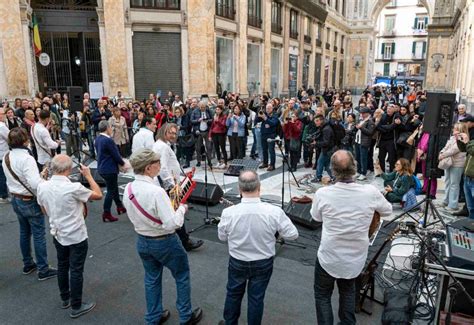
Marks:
<point>460,242</point>
<point>300,213</point>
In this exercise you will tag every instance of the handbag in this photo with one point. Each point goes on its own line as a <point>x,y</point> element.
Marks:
<point>445,163</point>
<point>295,144</point>
<point>403,139</point>
<point>187,140</point>
<point>137,205</point>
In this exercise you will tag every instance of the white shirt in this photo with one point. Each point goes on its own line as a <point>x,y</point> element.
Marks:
<point>170,168</point>
<point>43,142</point>
<point>203,124</point>
<point>24,166</point>
<point>346,211</point>
<point>143,139</point>
<point>3,139</point>
<point>250,229</point>
<point>63,202</point>
<point>154,200</point>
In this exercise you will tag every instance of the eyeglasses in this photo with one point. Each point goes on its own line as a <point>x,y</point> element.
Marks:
<point>172,133</point>
<point>155,161</point>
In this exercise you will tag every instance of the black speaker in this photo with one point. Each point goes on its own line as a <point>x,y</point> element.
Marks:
<point>300,214</point>
<point>439,113</point>
<point>77,177</point>
<point>214,194</point>
<point>75,98</point>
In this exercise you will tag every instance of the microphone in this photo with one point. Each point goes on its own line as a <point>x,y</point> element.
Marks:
<point>277,140</point>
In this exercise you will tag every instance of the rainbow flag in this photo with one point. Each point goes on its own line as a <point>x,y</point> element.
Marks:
<point>36,37</point>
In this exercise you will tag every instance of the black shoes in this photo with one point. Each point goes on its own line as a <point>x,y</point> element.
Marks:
<point>50,273</point>
<point>193,244</point>
<point>263,166</point>
<point>85,308</point>
<point>29,269</point>
<point>196,317</point>
<point>66,304</point>
<point>198,164</point>
<point>462,213</point>
<point>165,315</point>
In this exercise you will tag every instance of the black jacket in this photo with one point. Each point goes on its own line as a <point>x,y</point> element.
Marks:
<point>326,142</point>
<point>387,127</point>
<point>366,132</point>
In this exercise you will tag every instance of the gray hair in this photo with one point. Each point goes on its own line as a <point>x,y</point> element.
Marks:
<point>142,158</point>
<point>461,106</point>
<point>343,165</point>
<point>161,134</point>
<point>103,125</point>
<point>60,164</point>
<point>249,181</point>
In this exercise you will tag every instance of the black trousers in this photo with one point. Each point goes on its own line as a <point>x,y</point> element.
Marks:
<point>111,183</point>
<point>71,261</point>
<point>235,146</point>
<point>218,140</point>
<point>387,147</point>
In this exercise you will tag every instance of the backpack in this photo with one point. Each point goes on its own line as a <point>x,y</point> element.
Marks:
<point>418,187</point>
<point>339,131</point>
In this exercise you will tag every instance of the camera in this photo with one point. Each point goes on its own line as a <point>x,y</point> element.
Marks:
<point>312,137</point>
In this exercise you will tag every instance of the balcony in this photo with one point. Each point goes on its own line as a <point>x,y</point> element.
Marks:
<point>418,56</point>
<point>307,39</point>
<point>276,28</point>
<point>319,43</point>
<point>385,57</point>
<point>335,49</point>
<point>389,33</point>
<point>255,21</point>
<point>328,46</point>
<point>225,11</point>
<point>293,34</point>
<point>158,4</point>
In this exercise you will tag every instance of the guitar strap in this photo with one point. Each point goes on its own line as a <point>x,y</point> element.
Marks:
<point>137,205</point>
<point>15,176</point>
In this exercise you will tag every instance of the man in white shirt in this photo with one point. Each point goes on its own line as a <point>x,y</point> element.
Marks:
<point>23,179</point>
<point>155,221</point>
<point>170,173</point>
<point>144,137</point>
<point>43,142</point>
<point>63,201</point>
<point>250,228</point>
<point>3,150</point>
<point>346,211</point>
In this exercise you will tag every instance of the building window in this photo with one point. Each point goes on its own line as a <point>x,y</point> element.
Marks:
<point>225,63</point>
<point>253,69</point>
<point>225,8</point>
<point>156,4</point>
<point>418,50</point>
<point>386,69</point>
<point>336,34</point>
<point>307,30</point>
<point>342,44</point>
<point>388,51</point>
<point>389,24</point>
<point>276,17</point>
<point>275,67</point>
<point>255,13</point>
<point>392,3</point>
<point>343,8</point>
<point>337,5</point>
<point>420,23</point>
<point>306,69</point>
<point>328,38</point>
<point>293,24</point>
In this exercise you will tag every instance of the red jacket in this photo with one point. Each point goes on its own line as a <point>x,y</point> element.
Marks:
<point>218,127</point>
<point>293,130</point>
<point>162,118</point>
<point>126,116</point>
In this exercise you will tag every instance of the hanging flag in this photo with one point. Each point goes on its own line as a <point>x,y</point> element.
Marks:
<point>36,37</point>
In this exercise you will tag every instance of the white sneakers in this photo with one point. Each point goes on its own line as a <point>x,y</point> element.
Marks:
<point>220,165</point>
<point>362,178</point>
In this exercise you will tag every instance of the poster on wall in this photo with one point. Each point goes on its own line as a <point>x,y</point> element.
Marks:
<point>293,75</point>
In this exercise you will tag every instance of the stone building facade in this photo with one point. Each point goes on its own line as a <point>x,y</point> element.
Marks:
<point>195,47</point>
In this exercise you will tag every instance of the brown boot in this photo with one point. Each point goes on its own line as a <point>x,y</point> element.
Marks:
<point>108,217</point>
<point>270,168</point>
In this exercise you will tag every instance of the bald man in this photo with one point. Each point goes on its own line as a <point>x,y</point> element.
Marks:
<point>344,240</point>
<point>63,201</point>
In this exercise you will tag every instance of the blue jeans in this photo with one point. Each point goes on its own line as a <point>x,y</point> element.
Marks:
<point>255,275</point>
<point>268,148</point>
<point>3,183</point>
<point>323,163</point>
<point>31,223</point>
<point>469,193</point>
<point>71,261</point>
<point>257,143</point>
<point>90,142</point>
<point>323,288</point>
<point>111,183</point>
<point>453,177</point>
<point>169,252</point>
<point>362,157</point>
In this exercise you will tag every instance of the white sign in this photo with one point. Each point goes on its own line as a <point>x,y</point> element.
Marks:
<point>44,59</point>
<point>96,90</point>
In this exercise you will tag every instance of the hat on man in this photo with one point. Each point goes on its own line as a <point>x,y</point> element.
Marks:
<point>363,110</point>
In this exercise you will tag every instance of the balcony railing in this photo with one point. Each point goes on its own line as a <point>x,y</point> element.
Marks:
<point>225,11</point>
<point>319,43</point>
<point>386,56</point>
<point>418,56</point>
<point>293,34</point>
<point>335,48</point>
<point>276,28</point>
<point>328,46</point>
<point>255,21</point>
<point>307,39</point>
<point>156,4</point>
<point>389,33</point>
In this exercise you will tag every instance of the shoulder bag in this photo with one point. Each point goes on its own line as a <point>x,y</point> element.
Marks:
<point>137,205</point>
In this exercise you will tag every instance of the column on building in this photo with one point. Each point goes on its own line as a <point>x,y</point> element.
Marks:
<point>357,63</point>
<point>241,86</point>
<point>113,40</point>
<point>312,58</point>
<point>301,51</point>
<point>286,48</point>
<point>14,50</point>
<point>267,46</point>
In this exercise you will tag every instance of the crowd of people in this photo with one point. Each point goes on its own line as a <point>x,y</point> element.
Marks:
<point>381,134</point>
